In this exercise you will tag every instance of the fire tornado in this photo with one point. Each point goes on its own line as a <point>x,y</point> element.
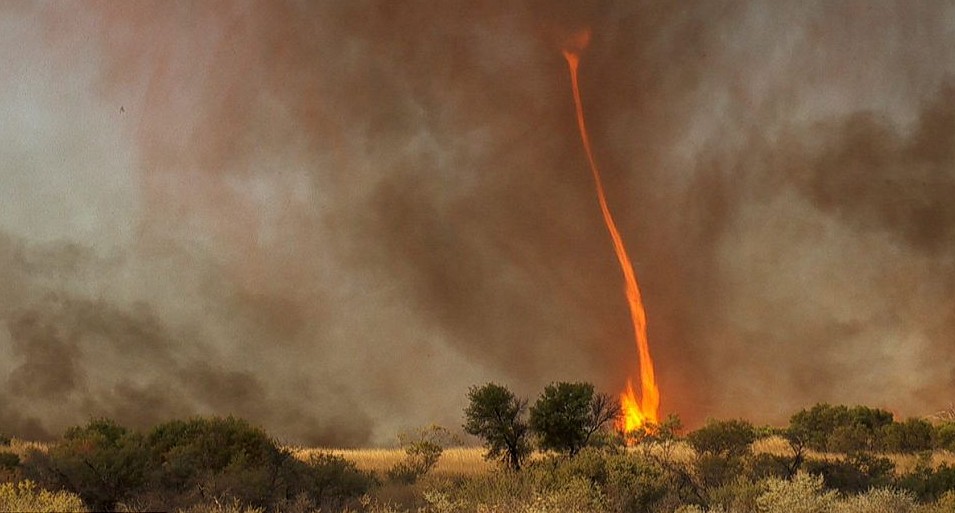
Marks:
<point>636,413</point>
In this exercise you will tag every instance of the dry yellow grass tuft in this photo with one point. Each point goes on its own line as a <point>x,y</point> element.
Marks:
<point>458,461</point>
<point>21,447</point>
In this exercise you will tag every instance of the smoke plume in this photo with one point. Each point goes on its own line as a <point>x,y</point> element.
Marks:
<point>332,218</point>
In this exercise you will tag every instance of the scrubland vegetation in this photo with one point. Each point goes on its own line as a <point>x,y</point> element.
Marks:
<point>828,459</point>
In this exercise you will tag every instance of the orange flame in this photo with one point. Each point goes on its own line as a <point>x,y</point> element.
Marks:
<point>636,414</point>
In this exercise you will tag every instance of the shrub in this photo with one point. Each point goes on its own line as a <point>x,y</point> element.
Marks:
<point>101,462</point>
<point>854,473</point>
<point>877,500</point>
<point>929,484</point>
<point>220,458</point>
<point>730,438</point>
<point>720,446</point>
<point>913,435</point>
<point>738,496</point>
<point>9,461</point>
<point>943,436</point>
<point>422,452</point>
<point>803,494</point>
<point>713,470</point>
<point>228,458</point>
<point>765,465</point>
<point>27,496</point>
<point>180,463</point>
<point>637,484</point>
<point>330,480</point>
<point>838,428</point>
<point>4,439</point>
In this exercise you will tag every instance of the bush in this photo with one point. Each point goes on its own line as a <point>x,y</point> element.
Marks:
<point>4,439</point>
<point>219,457</point>
<point>102,462</point>
<point>803,494</point>
<point>944,436</point>
<point>27,496</point>
<point>730,438</point>
<point>854,473</point>
<point>228,458</point>
<point>422,452</point>
<point>877,500</point>
<point>637,484</point>
<point>181,463</point>
<point>929,484</point>
<point>913,435</point>
<point>738,496</point>
<point>9,461</point>
<point>765,465</point>
<point>839,428</point>
<point>720,446</point>
<point>330,480</point>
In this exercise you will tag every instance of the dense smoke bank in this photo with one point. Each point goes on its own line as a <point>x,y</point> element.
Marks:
<point>332,218</point>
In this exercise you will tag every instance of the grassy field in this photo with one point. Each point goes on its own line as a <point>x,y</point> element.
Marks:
<point>458,461</point>
<point>469,461</point>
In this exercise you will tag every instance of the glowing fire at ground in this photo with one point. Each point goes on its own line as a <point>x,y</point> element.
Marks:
<point>636,413</point>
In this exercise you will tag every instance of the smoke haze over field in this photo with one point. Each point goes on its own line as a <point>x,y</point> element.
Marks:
<point>332,218</point>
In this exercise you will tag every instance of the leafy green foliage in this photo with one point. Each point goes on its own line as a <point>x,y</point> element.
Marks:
<point>929,483</point>
<point>101,462</point>
<point>943,436</point>
<point>496,415</point>
<point>566,416</point>
<point>839,428</point>
<point>854,473</point>
<point>720,446</point>
<point>9,461</point>
<point>913,435</point>
<point>180,463</point>
<point>728,438</point>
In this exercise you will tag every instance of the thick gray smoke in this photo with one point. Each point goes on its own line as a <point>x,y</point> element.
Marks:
<point>331,218</point>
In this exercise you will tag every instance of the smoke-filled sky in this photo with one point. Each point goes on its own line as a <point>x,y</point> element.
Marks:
<point>332,218</point>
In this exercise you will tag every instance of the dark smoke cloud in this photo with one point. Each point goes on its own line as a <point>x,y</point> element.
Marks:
<point>332,218</point>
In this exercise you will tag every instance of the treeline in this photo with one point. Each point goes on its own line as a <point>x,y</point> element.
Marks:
<point>569,416</point>
<point>838,449</point>
<point>560,453</point>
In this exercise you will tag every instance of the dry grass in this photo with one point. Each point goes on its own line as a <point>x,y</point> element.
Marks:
<point>904,463</point>
<point>21,447</point>
<point>458,461</point>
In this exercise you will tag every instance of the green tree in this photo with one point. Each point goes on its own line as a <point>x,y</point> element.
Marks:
<point>102,462</point>
<point>495,414</point>
<point>729,438</point>
<point>721,446</point>
<point>839,428</point>
<point>913,435</point>
<point>567,415</point>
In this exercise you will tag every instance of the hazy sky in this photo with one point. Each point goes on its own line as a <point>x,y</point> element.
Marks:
<point>332,218</point>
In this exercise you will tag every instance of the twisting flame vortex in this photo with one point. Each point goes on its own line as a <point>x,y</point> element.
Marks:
<point>635,413</point>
